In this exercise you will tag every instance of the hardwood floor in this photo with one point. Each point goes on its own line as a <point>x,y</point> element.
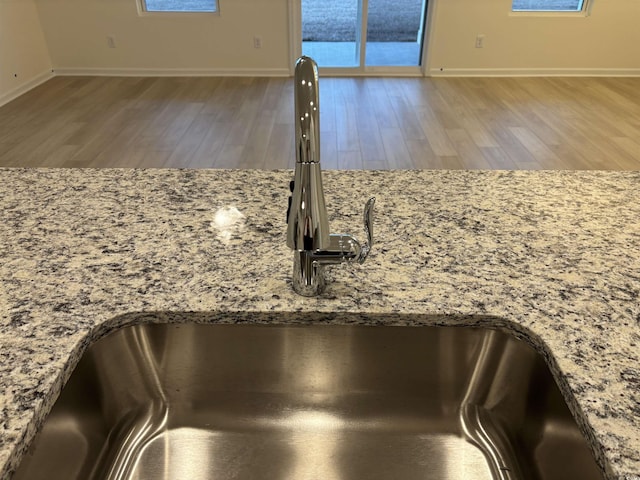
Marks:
<point>371,123</point>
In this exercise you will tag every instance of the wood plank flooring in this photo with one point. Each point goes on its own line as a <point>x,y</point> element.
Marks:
<point>366,123</point>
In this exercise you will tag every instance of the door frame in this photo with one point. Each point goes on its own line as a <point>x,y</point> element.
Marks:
<point>295,47</point>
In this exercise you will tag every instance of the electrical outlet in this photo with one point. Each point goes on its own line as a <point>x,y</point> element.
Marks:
<point>257,42</point>
<point>111,41</point>
<point>480,41</point>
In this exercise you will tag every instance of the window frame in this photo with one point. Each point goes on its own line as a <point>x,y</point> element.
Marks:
<point>587,5</point>
<point>143,12</point>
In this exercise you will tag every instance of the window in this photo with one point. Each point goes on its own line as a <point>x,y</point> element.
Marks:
<point>548,5</point>
<point>208,6</point>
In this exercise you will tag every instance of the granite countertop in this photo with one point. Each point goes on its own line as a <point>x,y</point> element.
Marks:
<point>554,256</point>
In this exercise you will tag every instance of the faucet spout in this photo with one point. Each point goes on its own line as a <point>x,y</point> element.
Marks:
<point>307,111</point>
<point>308,233</point>
<point>308,221</point>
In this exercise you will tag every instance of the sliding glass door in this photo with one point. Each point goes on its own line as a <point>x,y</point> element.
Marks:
<point>357,34</point>
<point>331,32</point>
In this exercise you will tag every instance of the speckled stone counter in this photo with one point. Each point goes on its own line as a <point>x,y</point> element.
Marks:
<point>552,256</point>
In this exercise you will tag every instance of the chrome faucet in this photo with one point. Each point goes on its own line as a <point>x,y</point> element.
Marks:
<point>308,231</point>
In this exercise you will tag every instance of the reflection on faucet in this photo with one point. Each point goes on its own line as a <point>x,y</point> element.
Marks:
<point>308,231</point>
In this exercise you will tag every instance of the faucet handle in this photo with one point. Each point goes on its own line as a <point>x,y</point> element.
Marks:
<point>368,228</point>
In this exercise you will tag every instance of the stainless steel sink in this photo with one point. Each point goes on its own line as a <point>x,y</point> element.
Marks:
<point>309,402</point>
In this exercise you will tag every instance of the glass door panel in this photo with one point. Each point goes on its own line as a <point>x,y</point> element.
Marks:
<point>394,32</point>
<point>331,32</point>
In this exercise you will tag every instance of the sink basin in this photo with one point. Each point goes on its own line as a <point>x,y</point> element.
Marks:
<point>225,402</point>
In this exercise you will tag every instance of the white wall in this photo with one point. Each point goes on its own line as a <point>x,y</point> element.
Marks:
<point>24,58</point>
<point>76,32</point>
<point>607,41</point>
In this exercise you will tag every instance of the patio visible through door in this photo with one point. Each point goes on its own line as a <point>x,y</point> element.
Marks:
<point>363,33</point>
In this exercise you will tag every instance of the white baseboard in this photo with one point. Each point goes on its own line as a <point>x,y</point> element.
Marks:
<point>25,87</point>
<point>174,72</point>
<point>534,72</point>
